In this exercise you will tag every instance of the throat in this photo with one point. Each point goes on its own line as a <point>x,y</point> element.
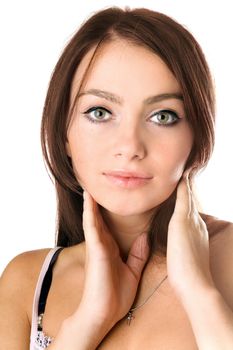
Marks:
<point>125,229</point>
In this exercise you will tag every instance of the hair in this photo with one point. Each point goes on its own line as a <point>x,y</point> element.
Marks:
<point>177,47</point>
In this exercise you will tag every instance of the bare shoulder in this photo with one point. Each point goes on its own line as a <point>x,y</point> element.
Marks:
<point>218,229</point>
<point>24,266</point>
<point>28,256</point>
<point>221,257</point>
<point>20,276</point>
<point>17,285</point>
<point>220,238</point>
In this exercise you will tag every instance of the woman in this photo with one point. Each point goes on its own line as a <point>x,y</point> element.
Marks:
<point>128,121</point>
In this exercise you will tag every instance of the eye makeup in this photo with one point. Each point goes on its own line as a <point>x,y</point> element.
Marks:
<point>168,117</point>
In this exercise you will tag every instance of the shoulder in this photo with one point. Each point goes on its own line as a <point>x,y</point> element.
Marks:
<point>20,276</point>
<point>217,227</point>
<point>221,257</point>
<point>17,286</point>
<point>24,266</point>
<point>220,238</point>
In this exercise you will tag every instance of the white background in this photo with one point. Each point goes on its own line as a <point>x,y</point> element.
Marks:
<point>33,34</point>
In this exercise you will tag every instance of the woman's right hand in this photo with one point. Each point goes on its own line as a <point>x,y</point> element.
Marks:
<point>110,283</point>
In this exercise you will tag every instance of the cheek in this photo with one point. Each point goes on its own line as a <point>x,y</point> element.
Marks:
<point>172,154</point>
<point>84,147</point>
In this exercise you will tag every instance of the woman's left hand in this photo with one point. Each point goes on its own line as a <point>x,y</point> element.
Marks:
<point>188,246</point>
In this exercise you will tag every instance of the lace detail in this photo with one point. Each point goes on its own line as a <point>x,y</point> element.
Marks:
<point>42,340</point>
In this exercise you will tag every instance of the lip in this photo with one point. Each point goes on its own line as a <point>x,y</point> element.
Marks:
<point>128,174</point>
<point>126,179</point>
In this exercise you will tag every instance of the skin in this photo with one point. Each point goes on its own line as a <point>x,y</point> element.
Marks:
<point>132,137</point>
<point>97,285</point>
<point>132,140</point>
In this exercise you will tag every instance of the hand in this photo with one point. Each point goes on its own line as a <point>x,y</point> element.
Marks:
<point>110,284</point>
<point>188,245</point>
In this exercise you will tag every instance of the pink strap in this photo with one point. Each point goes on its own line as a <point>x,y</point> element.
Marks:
<point>37,295</point>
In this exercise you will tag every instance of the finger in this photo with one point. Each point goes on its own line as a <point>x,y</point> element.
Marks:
<point>183,204</point>
<point>89,218</point>
<point>191,189</point>
<point>94,226</point>
<point>138,255</point>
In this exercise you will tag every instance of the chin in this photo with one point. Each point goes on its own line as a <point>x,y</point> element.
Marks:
<point>134,203</point>
<point>129,209</point>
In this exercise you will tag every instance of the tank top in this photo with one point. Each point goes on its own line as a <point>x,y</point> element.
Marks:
<point>38,340</point>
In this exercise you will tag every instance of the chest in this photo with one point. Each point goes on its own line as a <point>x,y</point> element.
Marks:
<point>161,324</point>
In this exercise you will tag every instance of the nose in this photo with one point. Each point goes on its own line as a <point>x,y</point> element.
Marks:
<point>129,142</point>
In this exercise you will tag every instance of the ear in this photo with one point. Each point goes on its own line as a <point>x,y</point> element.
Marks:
<point>68,151</point>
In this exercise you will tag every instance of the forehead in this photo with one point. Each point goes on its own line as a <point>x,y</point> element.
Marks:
<point>125,69</point>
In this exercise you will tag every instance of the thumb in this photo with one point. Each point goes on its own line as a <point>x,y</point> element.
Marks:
<point>138,255</point>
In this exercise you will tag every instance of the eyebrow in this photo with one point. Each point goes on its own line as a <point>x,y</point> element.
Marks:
<point>118,100</point>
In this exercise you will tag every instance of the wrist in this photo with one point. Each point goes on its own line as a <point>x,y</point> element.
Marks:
<point>85,331</point>
<point>198,291</point>
<point>81,331</point>
<point>201,295</point>
<point>96,318</point>
<point>211,319</point>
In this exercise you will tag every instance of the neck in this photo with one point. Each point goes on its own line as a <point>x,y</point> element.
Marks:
<point>125,229</point>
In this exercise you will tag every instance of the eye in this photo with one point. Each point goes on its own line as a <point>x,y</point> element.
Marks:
<point>166,117</point>
<point>98,114</point>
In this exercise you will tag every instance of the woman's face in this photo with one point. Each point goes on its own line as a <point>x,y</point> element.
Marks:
<point>125,128</point>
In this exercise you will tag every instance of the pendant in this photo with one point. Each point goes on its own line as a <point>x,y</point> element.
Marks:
<point>130,317</point>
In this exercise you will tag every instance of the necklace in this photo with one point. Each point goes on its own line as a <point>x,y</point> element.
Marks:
<point>131,311</point>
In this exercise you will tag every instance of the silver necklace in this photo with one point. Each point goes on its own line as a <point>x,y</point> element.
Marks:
<point>130,316</point>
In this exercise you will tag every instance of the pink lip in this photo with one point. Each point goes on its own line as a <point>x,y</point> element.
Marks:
<point>127,182</point>
<point>128,174</point>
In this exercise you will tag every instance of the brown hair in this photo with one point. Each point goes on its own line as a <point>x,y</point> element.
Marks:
<point>184,57</point>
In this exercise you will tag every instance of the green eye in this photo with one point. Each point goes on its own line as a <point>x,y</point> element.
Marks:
<point>97,114</point>
<point>165,117</point>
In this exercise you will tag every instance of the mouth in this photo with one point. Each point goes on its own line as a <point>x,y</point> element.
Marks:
<point>127,180</point>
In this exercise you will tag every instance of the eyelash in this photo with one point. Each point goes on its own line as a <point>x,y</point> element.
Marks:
<point>87,115</point>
